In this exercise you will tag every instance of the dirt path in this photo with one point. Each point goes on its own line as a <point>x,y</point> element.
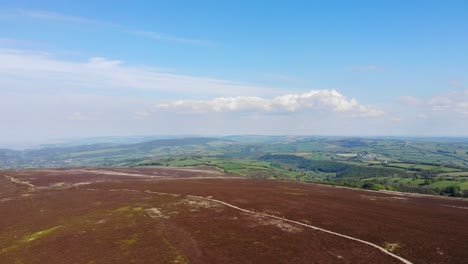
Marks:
<point>118,173</point>
<point>383,250</point>
<point>202,178</point>
<point>309,226</point>
<point>16,181</point>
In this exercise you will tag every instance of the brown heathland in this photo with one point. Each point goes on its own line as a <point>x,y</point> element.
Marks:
<point>178,215</point>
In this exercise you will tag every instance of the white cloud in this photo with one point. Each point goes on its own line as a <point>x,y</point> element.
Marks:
<point>456,102</point>
<point>39,71</point>
<point>447,106</point>
<point>330,100</point>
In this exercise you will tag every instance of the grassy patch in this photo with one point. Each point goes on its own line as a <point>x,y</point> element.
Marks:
<point>455,174</point>
<point>180,259</point>
<point>40,234</point>
<point>418,181</point>
<point>443,184</point>
<point>29,238</point>
<point>405,180</point>
<point>391,247</point>
<point>122,209</point>
<point>126,243</point>
<point>463,186</point>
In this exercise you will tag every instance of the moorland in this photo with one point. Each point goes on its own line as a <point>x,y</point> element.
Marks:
<point>204,215</point>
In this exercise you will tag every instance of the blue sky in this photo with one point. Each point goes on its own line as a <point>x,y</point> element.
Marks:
<point>149,62</point>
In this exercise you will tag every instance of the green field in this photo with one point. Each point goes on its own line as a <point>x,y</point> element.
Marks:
<point>455,174</point>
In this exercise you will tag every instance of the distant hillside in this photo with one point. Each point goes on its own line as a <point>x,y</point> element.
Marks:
<point>104,154</point>
<point>174,142</point>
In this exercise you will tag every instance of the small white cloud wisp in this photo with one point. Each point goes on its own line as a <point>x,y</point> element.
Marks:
<point>456,102</point>
<point>65,18</point>
<point>453,103</point>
